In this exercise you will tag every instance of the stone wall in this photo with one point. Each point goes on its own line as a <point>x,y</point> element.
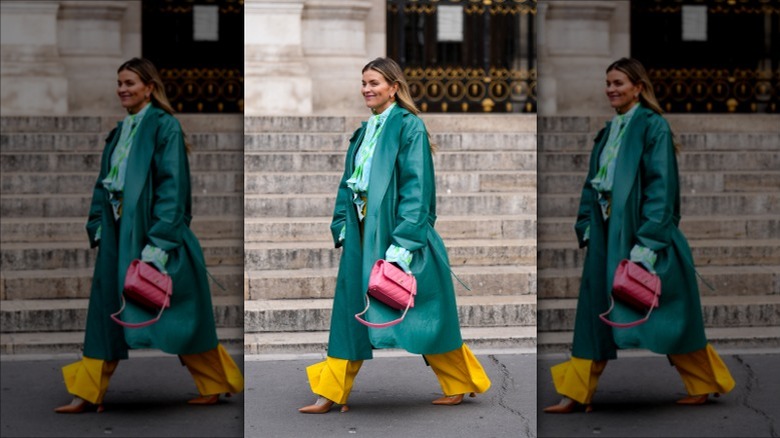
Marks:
<point>577,40</point>
<point>60,57</point>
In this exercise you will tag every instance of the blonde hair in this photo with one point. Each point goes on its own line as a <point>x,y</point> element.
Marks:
<point>391,71</point>
<point>149,75</point>
<point>637,74</point>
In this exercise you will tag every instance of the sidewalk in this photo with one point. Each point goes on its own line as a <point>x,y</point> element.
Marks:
<point>637,393</point>
<point>392,399</point>
<point>147,398</point>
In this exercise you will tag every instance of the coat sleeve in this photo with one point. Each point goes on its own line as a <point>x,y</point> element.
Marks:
<point>95,213</point>
<point>660,187</point>
<point>95,216</point>
<point>415,188</point>
<point>343,196</point>
<point>581,227</point>
<point>171,187</point>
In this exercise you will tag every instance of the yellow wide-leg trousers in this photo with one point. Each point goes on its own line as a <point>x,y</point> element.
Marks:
<point>214,372</point>
<point>702,372</point>
<point>458,372</point>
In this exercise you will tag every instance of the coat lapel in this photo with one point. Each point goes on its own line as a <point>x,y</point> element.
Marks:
<point>600,141</point>
<point>627,164</point>
<point>139,162</point>
<point>354,145</point>
<point>112,140</point>
<point>383,163</point>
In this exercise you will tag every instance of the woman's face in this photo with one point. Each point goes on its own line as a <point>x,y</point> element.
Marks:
<point>621,92</point>
<point>377,92</point>
<point>133,93</point>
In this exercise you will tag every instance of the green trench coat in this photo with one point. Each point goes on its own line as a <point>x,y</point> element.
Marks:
<point>401,210</point>
<point>645,210</point>
<point>156,210</point>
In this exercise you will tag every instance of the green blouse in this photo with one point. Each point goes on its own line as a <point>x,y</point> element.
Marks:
<point>358,182</point>
<point>114,182</point>
<point>605,178</point>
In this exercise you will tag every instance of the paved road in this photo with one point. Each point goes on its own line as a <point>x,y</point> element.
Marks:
<point>392,398</point>
<point>147,398</point>
<point>636,399</point>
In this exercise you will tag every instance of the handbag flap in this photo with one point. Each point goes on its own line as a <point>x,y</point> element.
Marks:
<point>152,275</point>
<point>397,276</point>
<point>639,274</point>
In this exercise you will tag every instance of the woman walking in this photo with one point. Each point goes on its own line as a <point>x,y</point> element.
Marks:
<point>386,209</point>
<point>630,209</point>
<point>141,209</point>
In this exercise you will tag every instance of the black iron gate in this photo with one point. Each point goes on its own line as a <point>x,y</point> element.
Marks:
<point>466,55</point>
<point>710,55</point>
<point>198,46</point>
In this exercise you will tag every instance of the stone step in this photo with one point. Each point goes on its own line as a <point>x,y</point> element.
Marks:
<point>77,255</point>
<point>319,255</point>
<point>303,205</point>
<point>477,338</point>
<point>263,124</point>
<point>443,160</point>
<point>48,343</point>
<point>56,142</point>
<point>19,183</point>
<point>688,161</point>
<point>314,314</point>
<point>32,284</point>
<point>67,229</point>
<point>680,123</point>
<point>327,182</point>
<point>77,205</point>
<point>714,204</point>
<point>283,229</point>
<point>434,123</point>
<point>557,315</point>
<point>726,281</point>
<point>23,316</point>
<point>704,141</point>
<point>321,283</point>
<point>331,142</point>
<point>552,229</point>
<point>720,338</point>
<point>721,252</point>
<point>90,162</point>
<point>191,123</point>
<point>95,142</point>
<point>690,182</point>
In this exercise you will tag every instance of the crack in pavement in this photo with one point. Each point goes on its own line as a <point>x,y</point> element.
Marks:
<point>752,382</point>
<point>507,381</point>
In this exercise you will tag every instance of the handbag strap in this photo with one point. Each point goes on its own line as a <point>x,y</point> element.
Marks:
<point>115,316</point>
<point>385,324</point>
<point>603,316</point>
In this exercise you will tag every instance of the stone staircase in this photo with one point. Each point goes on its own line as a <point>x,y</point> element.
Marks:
<point>486,186</point>
<point>49,166</point>
<point>730,187</point>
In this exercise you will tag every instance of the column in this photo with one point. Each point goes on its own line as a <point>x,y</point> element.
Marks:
<point>91,48</point>
<point>32,76</point>
<point>276,76</point>
<point>579,40</point>
<point>334,44</point>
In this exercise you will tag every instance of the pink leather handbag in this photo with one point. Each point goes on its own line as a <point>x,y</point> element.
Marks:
<point>636,287</point>
<point>147,287</point>
<point>391,286</point>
